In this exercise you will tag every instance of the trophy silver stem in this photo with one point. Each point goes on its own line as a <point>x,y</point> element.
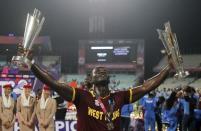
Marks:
<point>33,27</point>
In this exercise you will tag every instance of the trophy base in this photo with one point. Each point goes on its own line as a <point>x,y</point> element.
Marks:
<point>182,74</point>
<point>19,61</point>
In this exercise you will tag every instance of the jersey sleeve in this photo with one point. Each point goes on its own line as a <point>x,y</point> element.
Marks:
<point>129,96</point>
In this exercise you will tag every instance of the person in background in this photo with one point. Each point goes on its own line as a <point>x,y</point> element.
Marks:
<point>189,103</point>
<point>26,109</point>
<point>195,96</point>
<point>169,91</point>
<point>125,116</point>
<point>158,111</point>
<point>141,101</point>
<point>87,82</point>
<point>170,112</point>
<point>7,108</point>
<point>197,116</point>
<point>158,93</point>
<point>38,94</point>
<point>197,113</point>
<point>180,114</point>
<point>149,106</point>
<point>61,107</point>
<point>45,110</point>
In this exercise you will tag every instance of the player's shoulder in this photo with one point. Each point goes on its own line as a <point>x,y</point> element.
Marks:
<point>81,96</point>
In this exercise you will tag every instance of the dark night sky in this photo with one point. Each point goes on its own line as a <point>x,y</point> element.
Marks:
<point>67,22</point>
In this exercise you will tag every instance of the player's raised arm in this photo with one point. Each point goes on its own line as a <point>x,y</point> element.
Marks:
<point>62,89</point>
<point>150,84</point>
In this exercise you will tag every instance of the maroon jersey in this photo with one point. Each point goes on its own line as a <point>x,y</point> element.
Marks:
<point>89,113</point>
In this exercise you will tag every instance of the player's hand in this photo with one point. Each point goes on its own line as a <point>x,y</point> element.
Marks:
<point>21,52</point>
<point>171,62</point>
<point>20,49</point>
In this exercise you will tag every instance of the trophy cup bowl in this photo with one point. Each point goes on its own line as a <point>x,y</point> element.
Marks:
<point>33,27</point>
<point>170,43</point>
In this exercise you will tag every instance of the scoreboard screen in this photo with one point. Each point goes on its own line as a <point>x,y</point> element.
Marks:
<point>112,53</point>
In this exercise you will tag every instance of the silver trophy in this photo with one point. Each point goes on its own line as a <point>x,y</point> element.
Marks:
<point>33,27</point>
<point>170,43</point>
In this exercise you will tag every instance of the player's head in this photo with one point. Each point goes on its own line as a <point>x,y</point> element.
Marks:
<point>100,76</point>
